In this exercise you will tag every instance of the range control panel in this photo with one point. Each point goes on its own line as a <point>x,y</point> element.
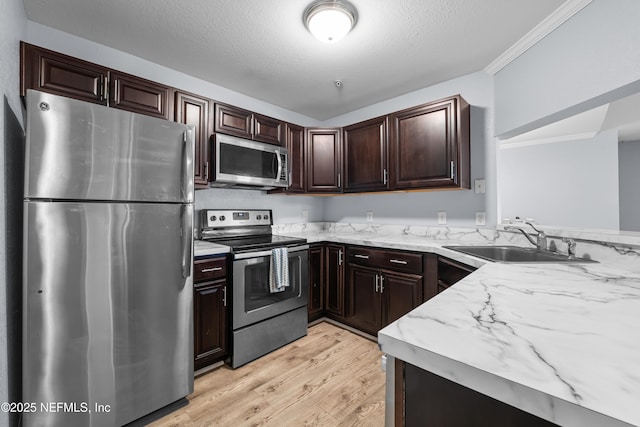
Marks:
<point>227,218</point>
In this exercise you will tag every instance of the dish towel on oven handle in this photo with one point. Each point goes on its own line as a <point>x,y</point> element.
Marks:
<point>279,274</point>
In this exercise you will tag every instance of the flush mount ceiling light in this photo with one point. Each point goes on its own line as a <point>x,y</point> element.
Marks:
<point>329,20</point>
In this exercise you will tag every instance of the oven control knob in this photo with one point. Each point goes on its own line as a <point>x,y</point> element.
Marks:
<point>212,218</point>
<point>266,217</point>
<point>259,217</point>
<point>222,218</point>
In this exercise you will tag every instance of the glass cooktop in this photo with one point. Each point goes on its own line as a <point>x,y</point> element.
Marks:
<point>252,243</point>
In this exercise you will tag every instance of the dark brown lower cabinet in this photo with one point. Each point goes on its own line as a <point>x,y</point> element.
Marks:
<point>365,310</point>
<point>334,280</point>
<point>315,306</point>
<point>326,281</point>
<point>210,322</point>
<point>210,313</point>
<point>379,297</point>
<point>449,272</point>
<point>426,399</point>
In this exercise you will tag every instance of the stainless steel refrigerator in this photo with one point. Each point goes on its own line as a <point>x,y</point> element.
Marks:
<point>108,295</point>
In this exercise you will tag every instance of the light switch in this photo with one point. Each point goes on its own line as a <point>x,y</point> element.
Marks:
<point>480,186</point>
<point>442,218</point>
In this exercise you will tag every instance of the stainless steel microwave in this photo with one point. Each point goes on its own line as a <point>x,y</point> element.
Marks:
<point>241,163</point>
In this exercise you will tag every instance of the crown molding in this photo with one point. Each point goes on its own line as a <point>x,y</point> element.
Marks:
<point>540,31</point>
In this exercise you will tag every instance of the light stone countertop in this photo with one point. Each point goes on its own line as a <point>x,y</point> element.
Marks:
<point>561,341</point>
<point>204,248</point>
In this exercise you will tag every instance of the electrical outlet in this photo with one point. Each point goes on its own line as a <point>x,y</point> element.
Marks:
<point>481,218</point>
<point>305,215</point>
<point>480,186</point>
<point>442,218</point>
<point>369,216</point>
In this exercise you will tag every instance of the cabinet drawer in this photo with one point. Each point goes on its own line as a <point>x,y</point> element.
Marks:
<point>364,256</point>
<point>401,261</point>
<point>384,259</point>
<point>205,269</point>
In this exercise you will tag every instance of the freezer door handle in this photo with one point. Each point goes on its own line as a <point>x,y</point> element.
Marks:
<point>187,239</point>
<point>187,165</point>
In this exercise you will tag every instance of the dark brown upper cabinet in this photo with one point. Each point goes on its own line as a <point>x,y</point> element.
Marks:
<point>430,146</point>
<point>233,121</point>
<point>138,95</point>
<point>246,124</point>
<point>267,129</point>
<point>296,149</point>
<point>365,151</point>
<point>324,161</point>
<point>194,110</point>
<point>63,75</point>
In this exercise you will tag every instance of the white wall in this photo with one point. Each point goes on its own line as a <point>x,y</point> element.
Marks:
<point>567,184</point>
<point>629,155</point>
<point>13,24</point>
<point>420,208</point>
<point>588,61</point>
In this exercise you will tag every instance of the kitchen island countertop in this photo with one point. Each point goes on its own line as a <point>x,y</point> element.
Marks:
<point>557,340</point>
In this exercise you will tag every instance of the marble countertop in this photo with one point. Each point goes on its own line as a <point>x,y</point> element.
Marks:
<point>560,341</point>
<point>204,248</point>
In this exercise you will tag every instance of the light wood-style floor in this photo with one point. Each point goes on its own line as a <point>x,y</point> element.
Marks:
<point>331,377</point>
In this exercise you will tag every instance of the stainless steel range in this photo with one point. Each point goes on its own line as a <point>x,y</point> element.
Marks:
<point>265,316</point>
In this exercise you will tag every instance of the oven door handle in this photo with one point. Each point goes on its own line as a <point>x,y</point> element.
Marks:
<point>247,255</point>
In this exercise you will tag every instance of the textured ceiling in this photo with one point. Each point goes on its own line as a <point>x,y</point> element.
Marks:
<point>261,48</point>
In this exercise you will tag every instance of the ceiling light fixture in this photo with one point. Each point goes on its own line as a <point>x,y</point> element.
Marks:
<point>330,20</point>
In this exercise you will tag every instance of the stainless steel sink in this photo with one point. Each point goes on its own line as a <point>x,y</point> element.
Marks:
<point>515,254</point>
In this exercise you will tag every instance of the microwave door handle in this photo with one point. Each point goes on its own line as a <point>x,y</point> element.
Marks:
<point>279,164</point>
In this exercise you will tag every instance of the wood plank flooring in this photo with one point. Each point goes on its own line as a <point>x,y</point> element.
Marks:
<point>331,377</point>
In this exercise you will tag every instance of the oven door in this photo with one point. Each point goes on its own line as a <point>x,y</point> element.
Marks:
<point>252,300</point>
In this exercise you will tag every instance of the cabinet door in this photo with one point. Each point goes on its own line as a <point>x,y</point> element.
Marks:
<point>365,156</point>
<point>194,110</point>
<point>401,294</point>
<point>430,146</point>
<point>137,95</point>
<point>364,298</point>
<point>52,72</point>
<point>334,274</point>
<point>267,129</point>
<point>210,322</point>
<point>324,160</point>
<point>233,121</point>
<point>316,281</point>
<point>295,146</point>
<point>450,272</point>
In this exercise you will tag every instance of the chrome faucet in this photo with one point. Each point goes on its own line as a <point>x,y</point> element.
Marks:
<point>571,247</point>
<point>541,238</point>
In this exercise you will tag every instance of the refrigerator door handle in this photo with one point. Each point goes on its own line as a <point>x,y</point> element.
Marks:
<point>187,239</point>
<point>187,160</point>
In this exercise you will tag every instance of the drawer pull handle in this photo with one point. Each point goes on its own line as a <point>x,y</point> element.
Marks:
<point>209,270</point>
<point>362,256</point>
<point>398,261</point>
